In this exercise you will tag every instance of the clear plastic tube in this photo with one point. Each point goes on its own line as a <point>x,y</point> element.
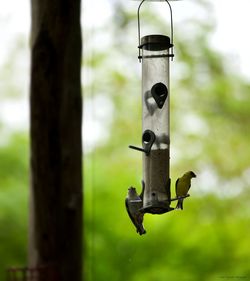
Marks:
<point>155,122</point>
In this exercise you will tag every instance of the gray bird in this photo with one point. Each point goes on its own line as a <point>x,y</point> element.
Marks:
<point>182,187</point>
<point>134,204</point>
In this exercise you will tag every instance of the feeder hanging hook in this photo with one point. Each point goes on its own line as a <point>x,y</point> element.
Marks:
<point>139,27</point>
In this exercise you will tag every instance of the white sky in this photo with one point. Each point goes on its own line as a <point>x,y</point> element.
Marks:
<point>231,37</point>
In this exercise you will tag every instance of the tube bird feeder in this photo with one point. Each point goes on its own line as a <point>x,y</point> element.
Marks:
<point>155,51</point>
<point>155,122</point>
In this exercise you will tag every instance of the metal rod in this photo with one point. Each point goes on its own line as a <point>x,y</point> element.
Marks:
<point>139,28</point>
<point>180,197</point>
<point>137,148</point>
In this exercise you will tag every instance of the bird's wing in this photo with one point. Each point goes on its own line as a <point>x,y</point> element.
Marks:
<point>176,183</point>
<point>128,211</point>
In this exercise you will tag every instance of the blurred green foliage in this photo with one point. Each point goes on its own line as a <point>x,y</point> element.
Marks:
<point>13,202</point>
<point>210,134</point>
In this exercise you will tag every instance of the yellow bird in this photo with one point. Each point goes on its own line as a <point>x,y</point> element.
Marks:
<point>182,187</point>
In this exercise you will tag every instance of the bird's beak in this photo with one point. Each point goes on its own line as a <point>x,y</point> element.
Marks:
<point>194,175</point>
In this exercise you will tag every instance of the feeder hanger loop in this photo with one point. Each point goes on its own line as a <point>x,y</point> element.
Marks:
<point>139,28</point>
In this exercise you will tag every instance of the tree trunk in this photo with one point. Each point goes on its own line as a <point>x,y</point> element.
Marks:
<point>56,145</point>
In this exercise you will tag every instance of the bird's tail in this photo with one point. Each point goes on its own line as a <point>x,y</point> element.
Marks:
<point>140,229</point>
<point>179,204</point>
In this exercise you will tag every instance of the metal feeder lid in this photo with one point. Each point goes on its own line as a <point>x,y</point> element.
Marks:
<point>155,42</point>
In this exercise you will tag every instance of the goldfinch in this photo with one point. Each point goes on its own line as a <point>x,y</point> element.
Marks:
<point>182,187</point>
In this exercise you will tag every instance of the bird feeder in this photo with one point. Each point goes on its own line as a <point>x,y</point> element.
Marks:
<point>155,52</point>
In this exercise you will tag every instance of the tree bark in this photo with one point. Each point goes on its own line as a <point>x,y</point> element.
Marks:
<point>55,131</point>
